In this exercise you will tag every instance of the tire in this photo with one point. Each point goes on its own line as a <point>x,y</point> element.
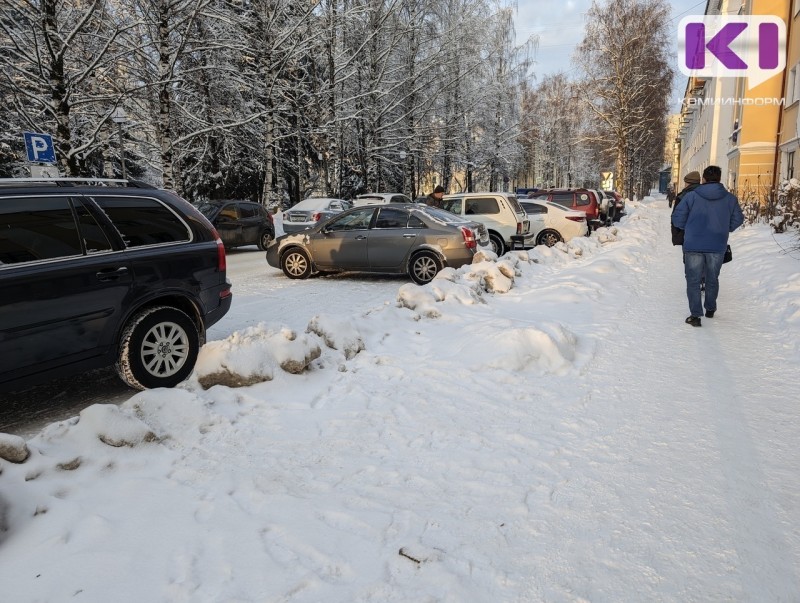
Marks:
<point>498,245</point>
<point>423,267</point>
<point>264,239</point>
<point>158,348</point>
<point>296,264</point>
<point>549,238</point>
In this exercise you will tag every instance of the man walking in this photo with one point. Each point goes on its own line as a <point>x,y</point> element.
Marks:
<point>706,215</point>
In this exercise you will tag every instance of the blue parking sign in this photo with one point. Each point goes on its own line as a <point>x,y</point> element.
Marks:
<point>40,147</point>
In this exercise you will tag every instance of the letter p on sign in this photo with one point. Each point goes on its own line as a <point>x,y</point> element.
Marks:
<point>39,147</point>
<point>752,46</point>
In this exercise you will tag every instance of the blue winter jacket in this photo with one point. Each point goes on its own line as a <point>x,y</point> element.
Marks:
<point>708,214</point>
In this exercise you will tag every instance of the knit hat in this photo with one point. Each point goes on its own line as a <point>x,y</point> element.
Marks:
<point>440,188</point>
<point>692,178</point>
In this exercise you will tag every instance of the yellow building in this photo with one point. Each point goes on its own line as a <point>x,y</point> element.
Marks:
<point>754,132</point>
<point>789,157</point>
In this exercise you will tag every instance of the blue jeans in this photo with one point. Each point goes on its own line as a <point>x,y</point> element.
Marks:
<point>695,265</point>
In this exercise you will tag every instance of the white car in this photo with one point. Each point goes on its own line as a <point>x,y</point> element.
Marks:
<point>380,199</point>
<point>309,212</point>
<point>552,223</point>
<point>501,213</point>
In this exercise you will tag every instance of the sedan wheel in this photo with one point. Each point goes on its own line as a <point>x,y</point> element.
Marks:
<point>296,264</point>
<point>549,238</point>
<point>264,240</point>
<point>423,267</point>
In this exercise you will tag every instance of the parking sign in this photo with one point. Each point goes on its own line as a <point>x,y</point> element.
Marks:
<point>40,147</point>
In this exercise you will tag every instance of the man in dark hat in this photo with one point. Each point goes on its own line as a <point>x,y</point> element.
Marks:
<point>435,198</point>
<point>692,181</point>
<point>707,215</point>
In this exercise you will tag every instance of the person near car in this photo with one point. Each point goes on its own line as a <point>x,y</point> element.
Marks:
<point>435,198</point>
<point>707,215</point>
<point>692,181</point>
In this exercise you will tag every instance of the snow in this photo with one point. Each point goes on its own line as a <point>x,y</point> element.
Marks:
<point>537,427</point>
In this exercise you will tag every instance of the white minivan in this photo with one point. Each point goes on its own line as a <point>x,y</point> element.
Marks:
<point>501,213</point>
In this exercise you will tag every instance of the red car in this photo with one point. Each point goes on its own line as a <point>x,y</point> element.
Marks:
<point>580,199</point>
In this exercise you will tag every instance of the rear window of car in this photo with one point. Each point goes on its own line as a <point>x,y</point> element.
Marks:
<point>40,228</point>
<point>584,199</point>
<point>442,215</point>
<point>452,205</point>
<point>534,208</point>
<point>144,221</point>
<point>515,204</point>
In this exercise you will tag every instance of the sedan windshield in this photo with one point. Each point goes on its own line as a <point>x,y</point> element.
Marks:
<point>207,209</point>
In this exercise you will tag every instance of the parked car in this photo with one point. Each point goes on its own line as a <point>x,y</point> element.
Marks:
<point>501,213</point>
<point>380,199</point>
<point>97,273</point>
<point>552,223</point>
<point>397,238</point>
<point>309,211</point>
<point>579,199</point>
<point>240,223</point>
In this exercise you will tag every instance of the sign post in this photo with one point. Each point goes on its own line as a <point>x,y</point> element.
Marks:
<point>41,155</point>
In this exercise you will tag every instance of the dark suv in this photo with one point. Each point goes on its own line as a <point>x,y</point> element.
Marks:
<point>240,222</point>
<point>96,273</point>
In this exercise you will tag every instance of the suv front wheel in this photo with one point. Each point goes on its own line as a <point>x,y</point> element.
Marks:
<point>159,348</point>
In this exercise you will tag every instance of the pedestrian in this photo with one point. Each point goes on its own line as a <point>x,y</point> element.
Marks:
<point>692,181</point>
<point>707,215</point>
<point>435,198</point>
<point>670,195</point>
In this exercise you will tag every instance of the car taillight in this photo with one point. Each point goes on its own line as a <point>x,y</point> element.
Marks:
<point>221,263</point>
<point>576,218</point>
<point>469,237</point>
<point>315,216</point>
<point>519,227</point>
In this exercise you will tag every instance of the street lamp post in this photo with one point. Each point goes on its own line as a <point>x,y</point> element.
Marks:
<point>119,118</point>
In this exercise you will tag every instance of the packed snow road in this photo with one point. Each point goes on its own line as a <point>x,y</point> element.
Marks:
<point>261,293</point>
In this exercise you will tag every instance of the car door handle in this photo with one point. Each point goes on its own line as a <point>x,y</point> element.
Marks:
<point>409,236</point>
<point>111,274</point>
<point>361,237</point>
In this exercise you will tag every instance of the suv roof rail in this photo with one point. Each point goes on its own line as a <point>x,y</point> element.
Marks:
<point>76,181</point>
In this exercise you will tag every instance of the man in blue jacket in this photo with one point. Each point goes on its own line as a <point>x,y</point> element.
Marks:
<point>707,215</point>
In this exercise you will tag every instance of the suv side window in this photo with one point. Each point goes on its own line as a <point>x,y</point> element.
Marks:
<point>144,221</point>
<point>583,199</point>
<point>247,210</point>
<point>94,237</point>
<point>483,205</point>
<point>34,229</point>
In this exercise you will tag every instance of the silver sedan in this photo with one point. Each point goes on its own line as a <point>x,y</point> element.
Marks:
<point>395,239</point>
<point>310,212</point>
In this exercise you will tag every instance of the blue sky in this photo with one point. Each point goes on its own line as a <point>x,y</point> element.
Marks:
<point>559,24</point>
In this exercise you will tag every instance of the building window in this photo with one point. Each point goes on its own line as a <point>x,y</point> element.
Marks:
<point>790,86</point>
<point>790,165</point>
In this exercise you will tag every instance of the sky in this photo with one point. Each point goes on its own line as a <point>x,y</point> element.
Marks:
<point>538,427</point>
<point>559,25</point>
